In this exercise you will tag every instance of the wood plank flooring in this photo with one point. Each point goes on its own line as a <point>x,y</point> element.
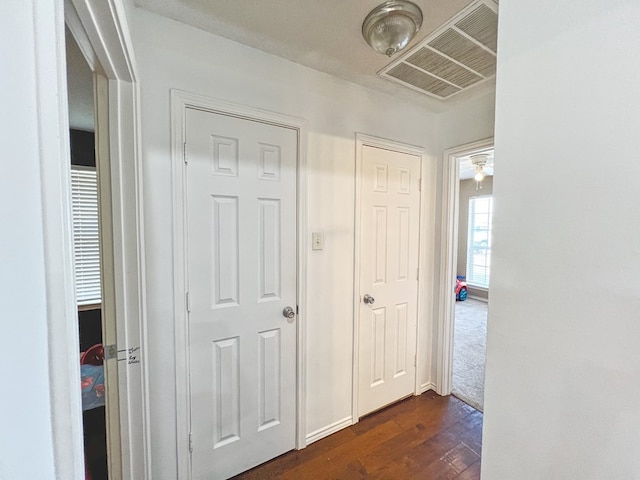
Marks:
<point>427,437</point>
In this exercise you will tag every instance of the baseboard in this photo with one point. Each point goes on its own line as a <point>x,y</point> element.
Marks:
<point>481,299</point>
<point>329,429</point>
<point>427,386</point>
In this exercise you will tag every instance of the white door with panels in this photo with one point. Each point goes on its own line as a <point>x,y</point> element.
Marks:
<point>241,269</point>
<point>389,250</point>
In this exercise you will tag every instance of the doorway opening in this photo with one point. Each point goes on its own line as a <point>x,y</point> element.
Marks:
<point>96,321</point>
<point>118,331</point>
<point>465,266</point>
<point>473,271</point>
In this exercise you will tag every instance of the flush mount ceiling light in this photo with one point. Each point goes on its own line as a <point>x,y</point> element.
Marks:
<point>390,27</point>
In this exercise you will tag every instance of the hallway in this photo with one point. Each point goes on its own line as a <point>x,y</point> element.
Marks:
<point>424,437</point>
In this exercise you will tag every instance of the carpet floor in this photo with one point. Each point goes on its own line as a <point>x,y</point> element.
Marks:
<point>469,352</point>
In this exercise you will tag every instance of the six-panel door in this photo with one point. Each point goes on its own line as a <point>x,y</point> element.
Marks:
<point>241,261</point>
<point>389,244</point>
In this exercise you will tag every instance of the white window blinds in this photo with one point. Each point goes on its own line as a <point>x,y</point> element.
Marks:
<point>479,240</point>
<point>86,243</point>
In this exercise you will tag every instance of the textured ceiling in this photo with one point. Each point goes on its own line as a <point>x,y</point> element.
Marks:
<point>322,34</point>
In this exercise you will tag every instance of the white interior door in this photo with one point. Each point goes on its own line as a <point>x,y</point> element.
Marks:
<point>389,243</point>
<point>241,229</point>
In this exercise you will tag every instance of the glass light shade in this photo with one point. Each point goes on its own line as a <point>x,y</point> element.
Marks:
<point>479,176</point>
<point>390,27</point>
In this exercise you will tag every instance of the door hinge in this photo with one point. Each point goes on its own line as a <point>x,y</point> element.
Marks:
<point>188,301</point>
<point>184,152</point>
<point>190,443</point>
<point>110,351</point>
<point>415,360</point>
<point>419,184</point>
<point>297,310</point>
<point>418,273</point>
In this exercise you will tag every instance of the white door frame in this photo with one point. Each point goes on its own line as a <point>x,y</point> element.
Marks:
<point>102,33</point>
<point>363,140</point>
<point>449,259</point>
<point>180,101</point>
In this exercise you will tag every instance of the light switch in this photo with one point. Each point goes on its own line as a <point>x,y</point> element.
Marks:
<point>317,242</point>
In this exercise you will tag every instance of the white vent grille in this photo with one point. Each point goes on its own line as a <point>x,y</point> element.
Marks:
<point>422,80</point>
<point>482,25</point>
<point>457,56</point>
<point>442,67</point>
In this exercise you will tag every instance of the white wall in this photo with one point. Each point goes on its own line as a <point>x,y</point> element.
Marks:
<point>466,123</point>
<point>172,55</point>
<point>563,360</point>
<point>40,426</point>
<point>26,414</point>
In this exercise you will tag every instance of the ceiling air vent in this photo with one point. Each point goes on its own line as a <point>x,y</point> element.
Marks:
<point>457,56</point>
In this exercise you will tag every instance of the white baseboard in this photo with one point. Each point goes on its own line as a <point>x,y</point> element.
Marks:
<point>348,421</point>
<point>427,386</point>
<point>329,429</point>
<point>481,299</point>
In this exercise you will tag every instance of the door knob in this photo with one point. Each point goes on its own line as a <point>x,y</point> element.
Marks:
<point>368,299</point>
<point>288,313</point>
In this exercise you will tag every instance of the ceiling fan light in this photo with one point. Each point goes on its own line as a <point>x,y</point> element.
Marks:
<point>480,159</point>
<point>479,176</point>
<point>390,26</point>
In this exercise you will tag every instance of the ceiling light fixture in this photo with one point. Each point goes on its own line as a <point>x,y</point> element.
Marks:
<point>479,161</point>
<point>390,26</point>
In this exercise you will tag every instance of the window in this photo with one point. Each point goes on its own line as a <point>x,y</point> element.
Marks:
<point>86,242</point>
<point>479,240</point>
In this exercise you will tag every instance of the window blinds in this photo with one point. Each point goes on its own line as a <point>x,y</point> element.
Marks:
<point>479,240</point>
<point>86,241</point>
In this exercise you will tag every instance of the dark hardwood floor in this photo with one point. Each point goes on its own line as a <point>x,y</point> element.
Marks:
<point>426,437</point>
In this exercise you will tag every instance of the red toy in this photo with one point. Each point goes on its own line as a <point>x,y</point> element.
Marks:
<point>461,288</point>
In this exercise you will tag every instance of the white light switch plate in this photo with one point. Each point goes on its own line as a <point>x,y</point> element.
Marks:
<point>317,241</point>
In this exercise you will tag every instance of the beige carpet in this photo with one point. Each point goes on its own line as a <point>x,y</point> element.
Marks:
<point>469,350</point>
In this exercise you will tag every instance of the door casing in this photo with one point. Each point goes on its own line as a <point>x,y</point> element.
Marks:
<point>363,140</point>
<point>180,101</point>
<point>100,28</point>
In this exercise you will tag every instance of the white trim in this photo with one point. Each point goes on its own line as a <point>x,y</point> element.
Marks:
<point>478,287</point>
<point>180,101</point>
<point>102,31</point>
<point>73,22</point>
<point>448,260</point>
<point>107,33</point>
<point>363,140</point>
<point>183,419</point>
<point>107,272</point>
<point>426,290</point>
<point>329,430</point>
<point>480,299</point>
<point>425,387</point>
<point>55,177</point>
<point>301,440</point>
